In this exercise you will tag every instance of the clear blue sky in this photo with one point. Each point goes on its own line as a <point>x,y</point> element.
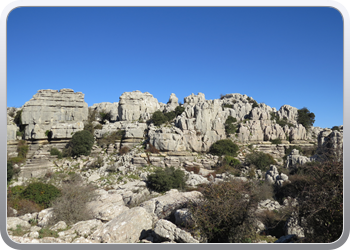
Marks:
<point>275,55</point>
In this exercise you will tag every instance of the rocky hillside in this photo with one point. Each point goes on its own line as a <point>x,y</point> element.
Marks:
<point>137,136</point>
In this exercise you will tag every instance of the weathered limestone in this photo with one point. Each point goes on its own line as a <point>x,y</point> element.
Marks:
<point>295,159</point>
<point>61,112</point>
<point>128,227</point>
<point>134,106</point>
<point>107,107</point>
<point>165,230</point>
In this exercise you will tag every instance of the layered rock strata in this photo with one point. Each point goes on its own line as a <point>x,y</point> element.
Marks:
<point>62,112</point>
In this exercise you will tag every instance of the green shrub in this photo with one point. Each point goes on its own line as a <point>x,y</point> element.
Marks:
<point>224,147</point>
<point>165,179</point>
<point>9,171</point>
<point>227,105</point>
<point>170,115</point>
<point>19,133</point>
<point>261,160</point>
<point>81,143</point>
<point>40,193</point>
<point>18,117</point>
<point>158,118</point>
<point>231,161</point>
<point>17,159</point>
<point>230,128</point>
<point>55,151</point>
<point>306,118</point>
<point>336,128</point>
<point>46,232</point>
<point>179,110</point>
<point>22,148</point>
<point>105,116</point>
<point>226,212</point>
<point>276,141</point>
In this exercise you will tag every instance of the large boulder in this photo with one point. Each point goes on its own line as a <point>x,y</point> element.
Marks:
<point>61,112</point>
<point>107,107</point>
<point>128,227</point>
<point>167,231</point>
<point>165,205</point>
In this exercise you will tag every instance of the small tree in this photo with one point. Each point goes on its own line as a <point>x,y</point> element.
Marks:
<point>306,118</point>
<point>179,110</point>
<point>81,143</point>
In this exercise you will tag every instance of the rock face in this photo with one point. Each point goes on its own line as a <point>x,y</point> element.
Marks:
<point>295,159</point>
<point>166,230</point>
<point>136,105</point>
<point>107,107</point>
<point>61,112</point>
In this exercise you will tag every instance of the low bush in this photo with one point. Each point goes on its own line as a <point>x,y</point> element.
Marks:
<point>9,171</point>
<point>276,141</point>
<point>55,151</point>
<point>124,150</point>
<point>226,212</point>
<point>71,206</point>
<point>98,126</point>
<point>261,160</point>
<point>23,206</point>
<point>46,232</point>
<point>22,148</point>
<point>224,147</point>
<point>19,133</point>
<point>230,128</point>
<point>41,193</point>
<point>163,180</point>
<point>231,161</point>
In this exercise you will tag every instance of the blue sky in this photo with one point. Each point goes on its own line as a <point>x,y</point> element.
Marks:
<point>276,55</point>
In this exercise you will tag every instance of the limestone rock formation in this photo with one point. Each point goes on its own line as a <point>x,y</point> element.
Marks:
<point>61,112</point>
<point>107,107</point>
<point>134,106</point>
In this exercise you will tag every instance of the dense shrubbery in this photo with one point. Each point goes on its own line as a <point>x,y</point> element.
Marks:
<point>225,212</point>
<point>230,128</point>
<point>224,147</point>
<point>18,117</point>
<point>80,144</point>
<point>276,141</point>
<point>16,201</point>
<point>306,118</point>
<point>40,193</point>
<point>319,190</point>
<point>261,160</point>
<point>165,179</point>
<point>159,118</point>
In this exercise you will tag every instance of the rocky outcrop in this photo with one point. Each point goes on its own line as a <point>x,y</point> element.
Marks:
<point>167,231</point>
<point>135,106</point>
<point>107,107</point>
<point>295,159</point>
<point>61,112</point>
